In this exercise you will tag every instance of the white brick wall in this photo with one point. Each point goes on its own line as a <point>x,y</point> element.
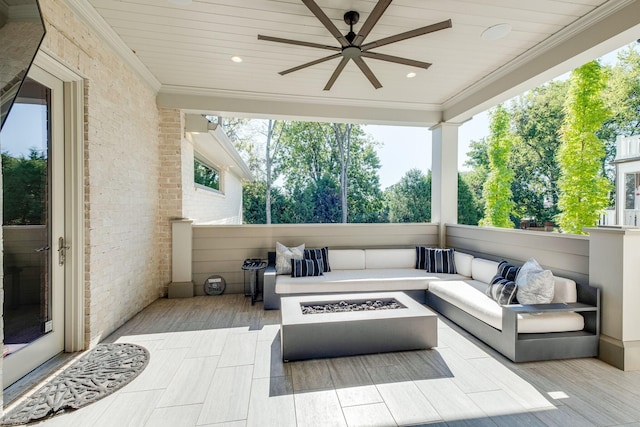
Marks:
<point>122,166</point>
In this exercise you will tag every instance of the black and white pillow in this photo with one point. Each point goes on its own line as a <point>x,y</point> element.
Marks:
<point>321,253</point>
<point>503,291</point>
<point>508,271</point>
<point>435,260</point>
<point>306,267</point>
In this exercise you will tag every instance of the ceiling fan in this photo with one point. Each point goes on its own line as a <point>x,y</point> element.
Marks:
<point>352,47</point>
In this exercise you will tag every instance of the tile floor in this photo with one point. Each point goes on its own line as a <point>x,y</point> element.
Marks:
<point>215,361</point>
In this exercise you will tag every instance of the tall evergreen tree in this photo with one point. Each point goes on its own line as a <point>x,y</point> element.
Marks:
<point>583,188</point>
<point>497,190</point>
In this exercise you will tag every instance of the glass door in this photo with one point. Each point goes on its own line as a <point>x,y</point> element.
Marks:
<point>32,145</point>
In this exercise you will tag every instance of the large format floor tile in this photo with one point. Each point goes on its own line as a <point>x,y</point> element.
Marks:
<point>216,361</point>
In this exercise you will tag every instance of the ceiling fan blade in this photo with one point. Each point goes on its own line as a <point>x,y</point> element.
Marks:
<point>329,25</point>
<point>367,72</point>
<point>373,18</point>
<point>309,64</point>
<point>409,34</point>
<point>396,59</point>
<point>336,73</point>
<point>297,42</point>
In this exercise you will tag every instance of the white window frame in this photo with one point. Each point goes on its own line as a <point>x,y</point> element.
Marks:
<point>197,157</point>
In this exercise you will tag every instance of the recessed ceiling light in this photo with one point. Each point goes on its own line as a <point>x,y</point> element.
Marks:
<point>411,75</point>
<point>180,2</point>
<point>236,59</point>
<point>496,32</point>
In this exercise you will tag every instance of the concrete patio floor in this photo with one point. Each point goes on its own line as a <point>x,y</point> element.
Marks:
<point>215,361</point>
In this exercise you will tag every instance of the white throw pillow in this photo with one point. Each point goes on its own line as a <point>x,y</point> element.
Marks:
<point>284,255</point>
<point>535,285</point>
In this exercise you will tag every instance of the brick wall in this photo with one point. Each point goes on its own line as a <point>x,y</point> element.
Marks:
<point>170,185</point>
<point>122,165</point>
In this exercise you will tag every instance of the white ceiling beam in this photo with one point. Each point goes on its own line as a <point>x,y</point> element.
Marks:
<point>292,110</point>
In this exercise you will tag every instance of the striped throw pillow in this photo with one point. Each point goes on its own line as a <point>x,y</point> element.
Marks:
<point>321,253</point>
<point>503,291</point>
<point>508,271</point>
<point>306,267</point>
<point>435,260</point>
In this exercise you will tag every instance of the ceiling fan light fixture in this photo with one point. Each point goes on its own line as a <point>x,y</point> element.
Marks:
<point>496,32</point>
<point>236,59</point>
<point>411,75</point>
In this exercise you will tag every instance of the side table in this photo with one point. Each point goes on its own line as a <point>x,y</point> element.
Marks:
<point>253,266</point>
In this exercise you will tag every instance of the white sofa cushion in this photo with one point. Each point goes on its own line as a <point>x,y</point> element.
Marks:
<point>565,290</point>
<point>391,279</point>
<point>347,259</point>
<point>463,263</point>
<point>483,270</point>
<point>390,258</point>
<point>477,304</point>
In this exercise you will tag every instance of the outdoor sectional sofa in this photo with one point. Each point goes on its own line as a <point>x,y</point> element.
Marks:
<point>569,327</point>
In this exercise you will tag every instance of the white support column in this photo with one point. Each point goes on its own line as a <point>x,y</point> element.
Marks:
<point>614,268</point>
<point>444,176</point>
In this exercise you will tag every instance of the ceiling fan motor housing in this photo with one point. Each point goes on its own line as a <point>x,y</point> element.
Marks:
<point>351,18</point>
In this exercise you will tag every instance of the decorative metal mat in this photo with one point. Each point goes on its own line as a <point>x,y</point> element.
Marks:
<point>102,371</point>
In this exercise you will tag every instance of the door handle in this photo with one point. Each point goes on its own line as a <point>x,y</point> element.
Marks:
<point>62,250</point>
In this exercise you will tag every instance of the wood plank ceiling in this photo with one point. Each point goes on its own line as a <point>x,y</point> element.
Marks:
<point>189,47</point>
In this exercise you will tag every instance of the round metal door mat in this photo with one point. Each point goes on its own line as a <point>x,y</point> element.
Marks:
<point>102,371</point>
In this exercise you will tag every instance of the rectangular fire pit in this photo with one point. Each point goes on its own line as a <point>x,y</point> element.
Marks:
<point>310,336</point>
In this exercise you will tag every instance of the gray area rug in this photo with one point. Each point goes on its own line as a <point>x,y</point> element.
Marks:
<point>102,371</point>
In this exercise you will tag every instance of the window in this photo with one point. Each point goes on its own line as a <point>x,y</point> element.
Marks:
<point>206,175</point>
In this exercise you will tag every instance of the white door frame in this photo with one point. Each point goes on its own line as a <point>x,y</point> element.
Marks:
<point>74,319</point>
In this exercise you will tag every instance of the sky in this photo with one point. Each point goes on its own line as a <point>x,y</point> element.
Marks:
<point>405,147</point>
<point>19,134</point>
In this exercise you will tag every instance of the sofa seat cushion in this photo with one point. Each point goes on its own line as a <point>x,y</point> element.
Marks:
<point>477,304</point>
<point>372,280</point>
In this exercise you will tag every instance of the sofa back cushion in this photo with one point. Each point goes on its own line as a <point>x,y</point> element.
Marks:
<point>463,263</point>
<point>390,258</point>
<point>347,259</point>
<point>483,269</point>
<point>565,290</point>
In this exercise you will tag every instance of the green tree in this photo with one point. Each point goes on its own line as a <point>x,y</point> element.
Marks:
<point>469,211</point>
<point>478,161</point>
<point>364,197</point>
<point>24,189</point>
<point>583,188</point>
<point>410,199</point>
<point>497,189</point>
<point>253,201</point>
<point>311,153</point>
<point>537,116</point>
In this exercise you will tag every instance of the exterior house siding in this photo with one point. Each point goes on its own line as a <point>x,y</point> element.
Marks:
<point>210,206</point>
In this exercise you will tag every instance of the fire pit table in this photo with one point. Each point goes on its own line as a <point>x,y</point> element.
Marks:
<point>327,331</point>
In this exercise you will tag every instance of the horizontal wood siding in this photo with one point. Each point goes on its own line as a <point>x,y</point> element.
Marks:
<point>565,255</point>
<point>221,249</point>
